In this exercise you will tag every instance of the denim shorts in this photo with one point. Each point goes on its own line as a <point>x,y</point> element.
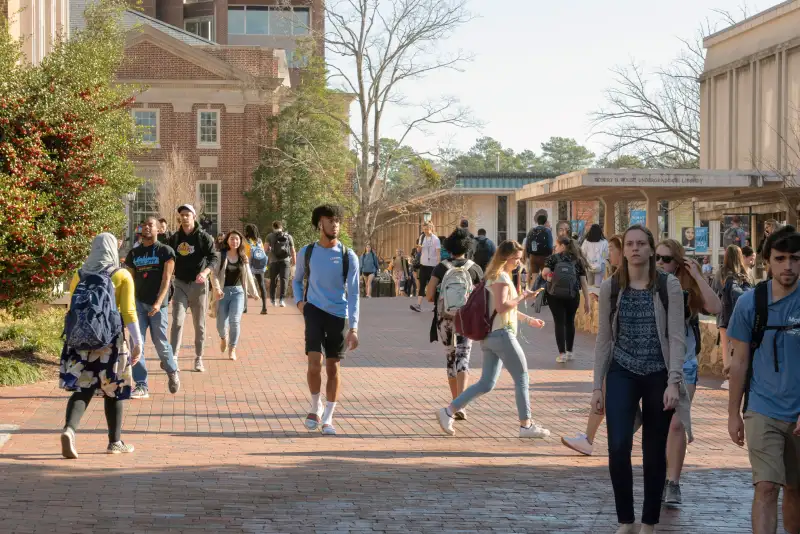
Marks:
<point>690,371</point>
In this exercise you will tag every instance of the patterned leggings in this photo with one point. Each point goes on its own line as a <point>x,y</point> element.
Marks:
<point>457,354</point>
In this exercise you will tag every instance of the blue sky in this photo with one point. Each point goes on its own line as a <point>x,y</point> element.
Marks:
<point>541,66</point>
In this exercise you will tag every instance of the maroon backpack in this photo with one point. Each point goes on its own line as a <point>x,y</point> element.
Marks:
<point>474,319</point>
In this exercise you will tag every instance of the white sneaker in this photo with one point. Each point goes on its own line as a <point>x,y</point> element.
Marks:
<point>561,358</point>
<point>283,303</point>
<point>273,304</point>
<point>570,356</point>
<point>328,430</point>
<point>579,443</point>
<point>725,385</point>
<point>445,421</point>
<point>534,431</point>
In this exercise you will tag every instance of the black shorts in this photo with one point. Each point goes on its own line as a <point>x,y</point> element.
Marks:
<point>324,332</point>
<point>425,274</point>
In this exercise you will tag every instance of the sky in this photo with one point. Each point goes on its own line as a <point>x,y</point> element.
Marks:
<point>541,66</point>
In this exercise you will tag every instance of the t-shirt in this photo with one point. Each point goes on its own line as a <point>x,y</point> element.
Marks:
<point>272,238</point>
<point>773,394</point>
<point>508,319</point>
<point>233,273</point>
<point>553,260</point>
<point>430,246</point>
<point>148,265</point>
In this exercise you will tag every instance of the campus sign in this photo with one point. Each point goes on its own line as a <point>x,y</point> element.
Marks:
<point>647,180</point>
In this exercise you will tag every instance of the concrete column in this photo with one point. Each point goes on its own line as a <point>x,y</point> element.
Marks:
<point>652,214</point>
<point>609,217</point>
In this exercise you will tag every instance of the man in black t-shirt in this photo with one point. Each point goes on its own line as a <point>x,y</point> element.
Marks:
<point>152,264</point>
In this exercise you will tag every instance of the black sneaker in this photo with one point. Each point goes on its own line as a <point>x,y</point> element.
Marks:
<point>174,382</point>
<point>416,308</point>
<point>140,392</point>
<point>672,493</point>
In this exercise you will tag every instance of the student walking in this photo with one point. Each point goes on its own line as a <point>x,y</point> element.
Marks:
<point>257,256</point>
<point>430,248</point>
<point>152,265</point>
<point>732,280</point>
<point>282,256</point>
<point>501,346</point>
<point>565,272</point>
<point>765,371</point>
<point>195,259</point>
<point>538,247</point>
<point>233,284</point>
<point>484,250</point>
<point>584,442</point>
<point>399,269</point>
<point>369,268</point>
<point>95,357</point>
<point>326,291</point>
<point>595,250</point>
<point>639,353</point>
<point>451,284</point>
<point>698,298</point>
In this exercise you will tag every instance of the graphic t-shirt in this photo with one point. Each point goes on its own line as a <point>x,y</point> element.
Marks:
<point>148,265</point>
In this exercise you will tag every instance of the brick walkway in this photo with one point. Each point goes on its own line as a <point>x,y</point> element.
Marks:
<point>229,452</point>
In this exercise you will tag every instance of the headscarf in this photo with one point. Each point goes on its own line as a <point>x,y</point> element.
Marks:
<point>104,254</point>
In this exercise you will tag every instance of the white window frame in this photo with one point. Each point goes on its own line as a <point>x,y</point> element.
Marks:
<point>208,18</point>
<point>293,9</point>
<point>218,183</point>
<point>157,111</point>
<point>200,143</point>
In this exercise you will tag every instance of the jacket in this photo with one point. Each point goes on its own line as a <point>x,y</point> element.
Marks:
<point>248,282</point>
<point>193,252</point>
<point>671,333</point>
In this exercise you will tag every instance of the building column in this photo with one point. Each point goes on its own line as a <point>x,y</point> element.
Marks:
<point>651,208</point>
<point>609,217</point>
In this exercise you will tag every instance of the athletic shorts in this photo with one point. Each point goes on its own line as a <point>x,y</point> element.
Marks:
<point>324,332</point>
<point>774,450</point>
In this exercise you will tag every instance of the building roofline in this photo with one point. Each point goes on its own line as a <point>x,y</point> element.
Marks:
<point>751,22</point>
<point>501,174</point>
<point>156,23</point>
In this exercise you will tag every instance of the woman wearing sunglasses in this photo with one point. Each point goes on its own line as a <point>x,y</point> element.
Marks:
<point>698,297</point>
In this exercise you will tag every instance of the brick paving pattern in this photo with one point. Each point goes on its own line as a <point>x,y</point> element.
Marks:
<point>229,453</point>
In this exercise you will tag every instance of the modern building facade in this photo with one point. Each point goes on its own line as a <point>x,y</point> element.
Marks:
<point>37,23</point>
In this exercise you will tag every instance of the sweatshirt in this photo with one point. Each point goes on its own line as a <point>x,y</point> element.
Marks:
<point>193,253</point>
<point>326,284</point>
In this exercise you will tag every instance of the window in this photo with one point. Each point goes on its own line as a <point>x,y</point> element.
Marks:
<point>146,122</point>
<point>209,197</point>
<point>502,219</point>
<point>563,210</point>
<point>142,207</point>
<point>522,220</point>
<point>268,20</point>
<point>202,27</point>
<point>208,128</point>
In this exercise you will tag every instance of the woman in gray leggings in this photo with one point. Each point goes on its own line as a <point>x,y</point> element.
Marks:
<point>501,346</point>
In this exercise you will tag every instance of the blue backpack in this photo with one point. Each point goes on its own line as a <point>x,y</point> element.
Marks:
<point>93,320</point>
<point>258,258</point>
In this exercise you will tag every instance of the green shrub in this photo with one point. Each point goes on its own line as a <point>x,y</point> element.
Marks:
<point>31,347</point>
<point>16,372</point>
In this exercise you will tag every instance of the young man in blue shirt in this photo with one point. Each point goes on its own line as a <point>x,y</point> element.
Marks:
<point>771,419</point>
<point>326,290</point>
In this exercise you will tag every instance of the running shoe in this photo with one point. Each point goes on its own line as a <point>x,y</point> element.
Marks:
<point>579,443</point>
<point>68,449</point>
<point>561,358</point>
<point>534,431</point>
<point>672,493</point>
<point>283,303</point>
<point>174,382</point>
<point>198,365</point>
<point>328,430</point>
<point>570,355</point>
<point>460,415</point>
<point>725,385</point>
<point>416,308</point>
<point>140,392</point>
<point>445,421</point>
<point>119,447</point>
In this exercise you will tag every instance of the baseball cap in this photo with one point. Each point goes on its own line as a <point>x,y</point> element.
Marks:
<point>187,207</point>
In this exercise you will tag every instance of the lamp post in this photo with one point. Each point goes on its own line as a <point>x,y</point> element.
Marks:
<point>130,198</point>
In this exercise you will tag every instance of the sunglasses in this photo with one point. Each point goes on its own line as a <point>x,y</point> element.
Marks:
<point>665,259</point>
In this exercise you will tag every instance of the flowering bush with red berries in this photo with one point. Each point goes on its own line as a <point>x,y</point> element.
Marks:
<point>65,140</point>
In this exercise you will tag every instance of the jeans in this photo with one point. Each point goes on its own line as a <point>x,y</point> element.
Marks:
<point>279,270</point>
<point>564,311</point>
<point>230,310</point>
<point>195,297</point>
<point>623,392</point>
<point>261,282</point>
<point>500,347</point>
<point>158,330</point>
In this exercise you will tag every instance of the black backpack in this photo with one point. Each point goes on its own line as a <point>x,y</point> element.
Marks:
<point>482,255</point>
<point>661,287</point>
<point>307,274</point>
<point>564,283</point>
<point>760,327</point>
<point>282,247</point>
<point>536,242</point>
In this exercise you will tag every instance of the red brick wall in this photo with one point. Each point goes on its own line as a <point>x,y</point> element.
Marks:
<point>147,61</point>
<point>254,60</point>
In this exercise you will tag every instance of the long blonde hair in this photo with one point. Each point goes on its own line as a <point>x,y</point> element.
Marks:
<point>687,281</point>
<point>622,275</point>
<point>504,251</point>
<point>733,265</point>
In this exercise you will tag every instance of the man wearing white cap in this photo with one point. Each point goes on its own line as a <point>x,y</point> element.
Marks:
<point>195,259</point>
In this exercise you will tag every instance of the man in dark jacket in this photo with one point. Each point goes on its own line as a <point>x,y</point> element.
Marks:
<point>484,250</point>
<point>195,259</point>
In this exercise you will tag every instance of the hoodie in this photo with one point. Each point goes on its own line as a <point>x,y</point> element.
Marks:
<point>193,252</point>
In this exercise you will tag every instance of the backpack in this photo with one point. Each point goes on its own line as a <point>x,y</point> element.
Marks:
<point>474,319</point>
<point>483,252</point>
<point>307,274</point>
<point>661,287</point>
<point>732,289</point>
<point>258,258</point>
<point>93,320</point>
<point>536,242</point>
<point>732,237</point>
<point>564,283</point>
<point>455,289</point>
<point>282,247</point>
<point>760,327</point>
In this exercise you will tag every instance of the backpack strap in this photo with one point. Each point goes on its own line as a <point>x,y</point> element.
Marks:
<point>307,273</point>
<point>345,263</point>
<point>757,334</point>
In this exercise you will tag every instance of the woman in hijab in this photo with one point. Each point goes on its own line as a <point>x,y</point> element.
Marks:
<point>106,371</point>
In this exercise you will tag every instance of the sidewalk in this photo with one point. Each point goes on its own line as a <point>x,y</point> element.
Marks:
<point>230,453</point>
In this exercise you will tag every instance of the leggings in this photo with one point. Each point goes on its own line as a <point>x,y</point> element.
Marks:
<point>564,311</point>
<point>79,401</point>
<point>261,281</point>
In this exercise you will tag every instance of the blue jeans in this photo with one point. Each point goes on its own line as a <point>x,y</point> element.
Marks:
<point>229,311</point>
<point>500,347</point>
<point>624,389</point>
<point>158,330</point>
